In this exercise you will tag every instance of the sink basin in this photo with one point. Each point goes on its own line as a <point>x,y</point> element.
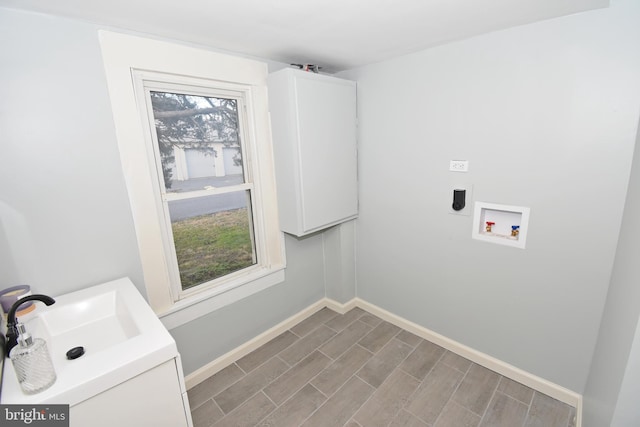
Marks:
<point>121,335</point>
<point>97,323</point>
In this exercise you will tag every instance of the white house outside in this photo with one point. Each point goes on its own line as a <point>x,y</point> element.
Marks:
<point>218,161</point>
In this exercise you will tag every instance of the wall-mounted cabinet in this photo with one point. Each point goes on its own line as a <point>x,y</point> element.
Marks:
<point>313,120</point>
<point>501,224</point>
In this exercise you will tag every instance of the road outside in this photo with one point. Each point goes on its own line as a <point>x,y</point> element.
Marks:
<point>189,208</point>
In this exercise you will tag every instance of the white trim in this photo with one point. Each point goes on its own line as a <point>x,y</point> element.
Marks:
<point>339,307</point>
<point>237,353</point>
<point>539,384</point>
<point>123,53</point>
<point>579,413</point>
<point>212,299</point>
<point>171,197</point>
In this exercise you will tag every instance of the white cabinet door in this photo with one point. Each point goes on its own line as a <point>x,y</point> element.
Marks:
<point>314,136</point>
<point>151,399</point>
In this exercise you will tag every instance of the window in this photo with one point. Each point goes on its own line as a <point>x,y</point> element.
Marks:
<point>194,139</point>
<point>205,187</point>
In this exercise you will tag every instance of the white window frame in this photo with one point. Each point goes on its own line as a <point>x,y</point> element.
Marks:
<point>145,82</point>
<point>130,62</point>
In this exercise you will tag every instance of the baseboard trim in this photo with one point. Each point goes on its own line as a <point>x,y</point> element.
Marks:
<point>340,307</point>
<point>237,353</point>
<point>540,384</point>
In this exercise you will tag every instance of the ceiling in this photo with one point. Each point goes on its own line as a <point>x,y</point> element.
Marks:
<point>335,34</point>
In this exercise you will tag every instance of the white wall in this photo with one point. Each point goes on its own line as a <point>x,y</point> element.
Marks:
<point>65,219</point>
<point>547,116</point>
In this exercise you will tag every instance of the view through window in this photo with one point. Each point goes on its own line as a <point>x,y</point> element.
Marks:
<point>206,188</point>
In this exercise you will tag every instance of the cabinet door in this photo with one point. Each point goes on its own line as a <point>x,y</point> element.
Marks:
<point>326,112</point>
<point>150,399</point>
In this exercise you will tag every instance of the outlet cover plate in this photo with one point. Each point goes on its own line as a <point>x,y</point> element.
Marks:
<point>459,165</point>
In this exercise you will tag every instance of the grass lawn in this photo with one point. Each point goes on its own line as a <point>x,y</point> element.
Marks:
<point>211,246</point>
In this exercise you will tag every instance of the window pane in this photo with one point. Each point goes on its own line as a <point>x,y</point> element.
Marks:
<point>213,236</point>
<point>198,140</point>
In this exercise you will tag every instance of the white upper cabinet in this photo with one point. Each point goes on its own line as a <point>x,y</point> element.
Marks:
<point>313,120</point>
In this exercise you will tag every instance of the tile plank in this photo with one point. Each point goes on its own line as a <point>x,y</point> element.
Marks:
<point>249,413</point>
<point>313,321</point>
<point>307,345</point>
<point>434,393</point>
<point>257,357</point>
<point>476,389</point>
<point>546,411</point>
<point>345,339</point>
<point>516,390</point>
<point>235,395</point>
<point>341,321</point>
<point>382,364</point>
<point>388,399</point>
<point>455,361</point>
<point>409,338</point>
<point>339,409</point>
<point>295,410</point>
<point>505,411</point>
<point>370,319</point>
<point>422,359</point>
<point>295,378</point>
<point>454,415</point>
<point>379,336</point>
<point>336,374</point>
<point>206,414</point>
<point>214,385</point>
<point>407,419</point>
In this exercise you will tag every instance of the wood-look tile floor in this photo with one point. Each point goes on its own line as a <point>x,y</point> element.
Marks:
<point>356,370</point>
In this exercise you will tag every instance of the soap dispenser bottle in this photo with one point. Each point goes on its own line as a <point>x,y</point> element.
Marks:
<point>32,362</point>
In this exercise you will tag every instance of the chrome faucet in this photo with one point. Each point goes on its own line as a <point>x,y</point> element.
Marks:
<point>12,331</point>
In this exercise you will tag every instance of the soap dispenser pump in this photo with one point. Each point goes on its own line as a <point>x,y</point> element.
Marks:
<point>32,362</point>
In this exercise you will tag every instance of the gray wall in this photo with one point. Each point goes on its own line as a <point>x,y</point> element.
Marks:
<point>214,334</point>
<point>626,412</point>
<point>547,116</point>
<point>614,379</point>
<point>65,219</point>
<point>64,211</point>
<point>340,262</point>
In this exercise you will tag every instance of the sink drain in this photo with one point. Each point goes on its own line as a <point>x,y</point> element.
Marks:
<point>75,352</point>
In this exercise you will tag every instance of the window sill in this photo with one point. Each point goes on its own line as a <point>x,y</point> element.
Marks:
<point>190,308</point>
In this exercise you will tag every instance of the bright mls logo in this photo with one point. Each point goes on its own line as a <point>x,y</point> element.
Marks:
<point>35,415</point>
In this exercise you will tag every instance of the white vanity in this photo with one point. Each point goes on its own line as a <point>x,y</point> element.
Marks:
<point>130,374</point>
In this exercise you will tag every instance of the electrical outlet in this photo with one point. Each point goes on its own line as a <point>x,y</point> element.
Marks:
<point>459,165</point>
